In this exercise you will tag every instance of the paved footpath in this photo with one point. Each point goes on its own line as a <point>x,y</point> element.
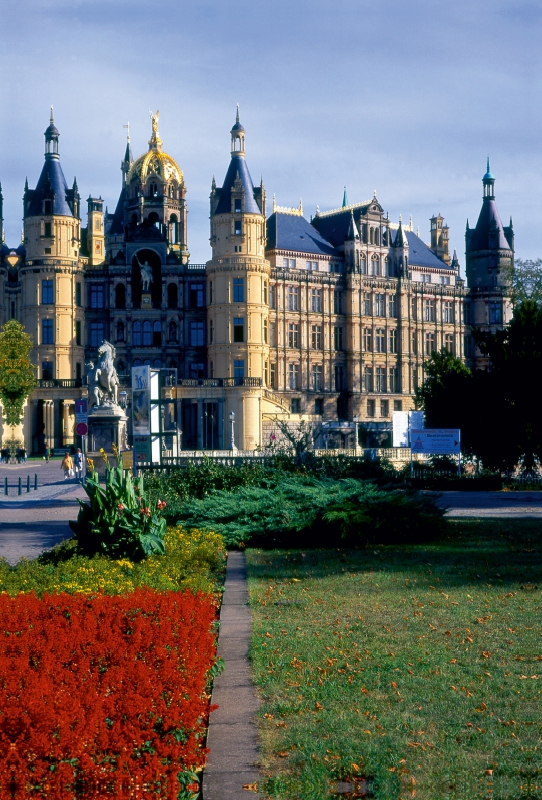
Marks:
<point>34,522</point>
<point>507,505</point>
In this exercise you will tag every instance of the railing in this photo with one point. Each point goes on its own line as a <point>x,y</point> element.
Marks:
<point>275,398</point>
<point>199,267</point>
<point>60,383</point>
<point>220,382</point>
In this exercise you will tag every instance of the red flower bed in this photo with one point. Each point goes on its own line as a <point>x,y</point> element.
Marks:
<point>103,695</point>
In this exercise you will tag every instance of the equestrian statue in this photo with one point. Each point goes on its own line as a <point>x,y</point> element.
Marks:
<point>103,381</point>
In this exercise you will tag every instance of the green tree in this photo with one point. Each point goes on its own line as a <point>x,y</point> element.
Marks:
<point>447,378</point>
<point>525,277</point>
<point>17,375</point>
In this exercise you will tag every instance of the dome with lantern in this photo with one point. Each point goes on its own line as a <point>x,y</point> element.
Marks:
<point>155,162</point>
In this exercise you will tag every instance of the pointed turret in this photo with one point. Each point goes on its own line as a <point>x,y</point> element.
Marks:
<point>352,234</point>
<point>238,180</point>
<point>126,162</point>
<point>345,199</point>
<point>51,195</point>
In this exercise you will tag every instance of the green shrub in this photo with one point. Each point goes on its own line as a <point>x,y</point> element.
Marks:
<point>302,511</point>
<point>120,521</point>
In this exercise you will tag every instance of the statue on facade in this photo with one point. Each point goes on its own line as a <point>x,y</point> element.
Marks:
<point>146,274</point>
<point>103,381</point>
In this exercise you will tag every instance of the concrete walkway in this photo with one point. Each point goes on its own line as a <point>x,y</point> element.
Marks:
<point>232,736</point>
<point>507,505</point>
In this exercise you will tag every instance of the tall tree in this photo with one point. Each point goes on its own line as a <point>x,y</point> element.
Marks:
<point>17,375</point>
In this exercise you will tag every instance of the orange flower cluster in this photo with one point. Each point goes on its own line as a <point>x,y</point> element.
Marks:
<point>105,695</point>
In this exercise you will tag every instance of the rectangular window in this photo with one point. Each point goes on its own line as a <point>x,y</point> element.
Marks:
<point>392,306</point>
<point>429,308</point>
<point>370,408</point>
<point>292,263</point>
<point>47,331</point>
<point>316,337</point>
<point>293,376</point>
<point>380,340</point>
<point>413,308</point>
<point>239,368</point>
<point>264,292</point>
<point>495,313</point>
<point>394,383</point>
<point>197,370</point>
<point>414,343</point>
<point>293,298</point>
<point>449,342</point>
<point>295,406</point>
<point>429,343</point>
<point>448,311</point>
<point>78,332</point>
<point>237,205</point>
<point>196,295</point>
<point>273,376</point>
<point>48,229</point>
<point>316,378</point>
<point>197,334</point>
<point>384,408</point>
<point>96,334</point>
<point>78,295</point>
<point>319,406</point>
<point>47,292</point>
<point>266,373</point>
<point>285,263</point>
<point>272,296</point>
<point>426,278</point>
<point>316,300</point>
<point>445,280</point>
<point>273,334</point>
<point>367,305</point>
<point>238,230</point>
<point>78,371</point>
<point>47,370</point>
<point>340,383</point>
<point>397,405</point>
<point>47,206</point>
<point>238,290</point>
<point>265,331</point>
<point>238,329</point>
<point>96,295</point>
<point>211,331</point>
<point>337,302</point>
<point>380,305</point>
<point>368,379</point>
<point>466,313</point>
<point>393,341</point>
<point>380,379</point>
<point>293,335</point>
<point>337,338</point>
<point>368,340</point>
<point>210,292</point>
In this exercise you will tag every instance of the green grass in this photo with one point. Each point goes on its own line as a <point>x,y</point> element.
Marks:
<point>417,666</point>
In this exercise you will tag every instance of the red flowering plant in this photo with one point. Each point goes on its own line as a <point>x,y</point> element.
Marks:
<point>119,521</point>
<point>106,695</point>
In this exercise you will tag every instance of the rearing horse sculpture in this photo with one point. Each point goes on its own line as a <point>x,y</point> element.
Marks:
<point>104,376</point>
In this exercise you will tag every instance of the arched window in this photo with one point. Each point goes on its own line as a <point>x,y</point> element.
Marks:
<point>172,365</point>
<point>136,335</point>
<point>134,219</point>
<point>136,362</point>
<point>153,218</point>
<point>172,332</point>
<point>153,189</point>
<point>372,235</point>
<point>172,295</point>
<point>147,362</point>
<point>173,229</point>
<point>363,267</point>
<point>120,331</point>
<point>377,235</point>
<point>157,364</point>
<point>375,264</point>
<point>157,334</point>
<point>147,333</point>
<point>121,368</point>
<point>120,295</point>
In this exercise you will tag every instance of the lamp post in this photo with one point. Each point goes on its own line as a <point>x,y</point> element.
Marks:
<point>232,431</point>
<point>123,399</point>
<point>356,432</point>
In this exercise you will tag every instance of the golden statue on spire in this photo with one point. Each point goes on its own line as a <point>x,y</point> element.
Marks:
<point>155,142</point>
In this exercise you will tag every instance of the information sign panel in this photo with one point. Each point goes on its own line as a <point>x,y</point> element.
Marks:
<point>436,441</point>
<point>400,429</point>
<point>141,401</point>
<point>81,411</point>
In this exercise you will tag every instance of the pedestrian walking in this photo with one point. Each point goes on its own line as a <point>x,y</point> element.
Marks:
<point>67,466</point>
<point>47,453</point>
<point>78,464</point>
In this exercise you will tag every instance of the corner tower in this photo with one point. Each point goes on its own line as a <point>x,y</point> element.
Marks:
<point>489,250</point>
<point>238,289</point>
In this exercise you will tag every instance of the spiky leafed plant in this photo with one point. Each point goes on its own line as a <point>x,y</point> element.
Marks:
<point>17,374</point>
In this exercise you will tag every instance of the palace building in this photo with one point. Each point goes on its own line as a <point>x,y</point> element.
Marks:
<point>327,320</point>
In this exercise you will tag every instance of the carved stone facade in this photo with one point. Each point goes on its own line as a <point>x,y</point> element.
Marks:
<point>328,319</point>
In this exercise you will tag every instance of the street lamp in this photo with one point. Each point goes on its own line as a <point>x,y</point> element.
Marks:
<point>232,431</point>
<point>123,399</point>
<point>356,431</point>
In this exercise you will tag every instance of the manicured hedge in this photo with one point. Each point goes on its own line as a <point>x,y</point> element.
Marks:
<point>104,695</point>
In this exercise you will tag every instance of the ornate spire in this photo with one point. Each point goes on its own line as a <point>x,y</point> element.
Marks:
<point>489,183</point>
<point>237,137</point>
<point>51,138</point>
<point>155,143</point>
<point>345,198</point>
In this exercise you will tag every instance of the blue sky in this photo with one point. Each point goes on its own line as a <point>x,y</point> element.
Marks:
<point>405,98</point>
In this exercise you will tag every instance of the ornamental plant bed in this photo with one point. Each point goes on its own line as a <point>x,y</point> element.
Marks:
<point>105,695</point>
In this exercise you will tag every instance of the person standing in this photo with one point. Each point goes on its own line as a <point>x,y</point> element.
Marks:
<point>78,464</point>
<point>67,466</point>
<point>47,453</point>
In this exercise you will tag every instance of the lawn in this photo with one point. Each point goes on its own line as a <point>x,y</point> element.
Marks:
<point>417,668</point>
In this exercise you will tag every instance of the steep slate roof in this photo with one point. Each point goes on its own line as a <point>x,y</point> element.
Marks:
<point>117,225</point>
<point>420,255</point>
<point>489,222</point>
<point>237,165</point>
<point>292,232</point>
<point>51,180</point>
<point>334,228</point>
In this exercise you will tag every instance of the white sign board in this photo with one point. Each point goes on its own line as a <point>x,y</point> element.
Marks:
<point>81,410</point>
<point>416,419</point>
<point>436,441</point>
<point>400,429</point>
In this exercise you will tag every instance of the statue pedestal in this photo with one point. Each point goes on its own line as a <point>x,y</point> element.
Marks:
<point>146,301</point>
<point>106,426</point>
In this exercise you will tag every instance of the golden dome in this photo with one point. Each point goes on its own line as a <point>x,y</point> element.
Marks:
<point>155,161</point>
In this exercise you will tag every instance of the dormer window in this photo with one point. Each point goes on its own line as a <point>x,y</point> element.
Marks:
<point>47,206</point>
<point>238,205</point>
